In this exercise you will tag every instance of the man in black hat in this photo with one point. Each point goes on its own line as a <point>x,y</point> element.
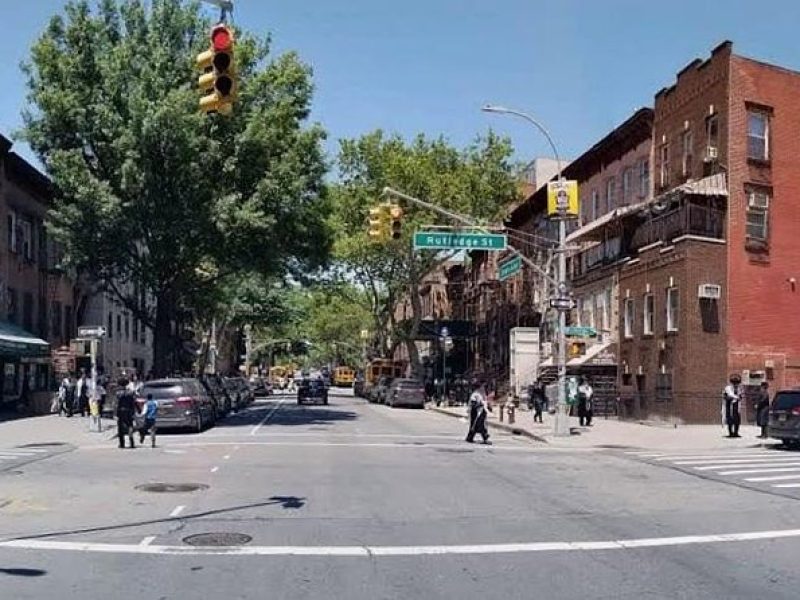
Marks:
<point>478,407</point>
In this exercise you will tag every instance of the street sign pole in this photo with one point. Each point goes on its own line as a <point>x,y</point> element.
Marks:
<point>96,423</point>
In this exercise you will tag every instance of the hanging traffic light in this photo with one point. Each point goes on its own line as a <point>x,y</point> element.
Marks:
<point>218,81</point>
<point>377,222</point>
<point>396,213</point>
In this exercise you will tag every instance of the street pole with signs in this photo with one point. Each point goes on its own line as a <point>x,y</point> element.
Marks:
<point>93,334</point>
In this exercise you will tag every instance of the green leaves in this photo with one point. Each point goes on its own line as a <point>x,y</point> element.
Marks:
<point>148,188</point>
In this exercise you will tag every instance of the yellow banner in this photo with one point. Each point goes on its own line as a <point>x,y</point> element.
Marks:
<point>562,199</point>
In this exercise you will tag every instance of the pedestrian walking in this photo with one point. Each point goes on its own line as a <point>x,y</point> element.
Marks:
<point>61,396</point>
<point>762,409</point>
<point>126,409</point>
<point>478,407</point>
<point>82,394</point>
<point>585,411</point>
<point>537,398</point>
<point>149,414</point>
<point>731,398</point>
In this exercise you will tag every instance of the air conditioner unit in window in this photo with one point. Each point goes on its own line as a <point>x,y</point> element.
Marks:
<point>711,153</point>
<point>758,200</point>
<point>709,290</point>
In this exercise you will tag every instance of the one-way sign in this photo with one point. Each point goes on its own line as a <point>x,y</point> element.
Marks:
<point>562,303</point>
<point>95,331</point>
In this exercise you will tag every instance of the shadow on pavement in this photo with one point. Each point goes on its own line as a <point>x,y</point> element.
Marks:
<point>289,414</point>
<point>22,572</point>
<point>285,502</point>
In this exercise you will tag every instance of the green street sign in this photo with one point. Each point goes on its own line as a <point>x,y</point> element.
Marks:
<point>449,240</point>
<point>580,332</point>
<point>509,268</point>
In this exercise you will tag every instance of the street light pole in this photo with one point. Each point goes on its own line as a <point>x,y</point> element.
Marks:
<point>561,422</point>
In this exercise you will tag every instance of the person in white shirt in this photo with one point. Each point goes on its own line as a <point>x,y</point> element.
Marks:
<point>478,407</point>
<point>731,401</point>
<point>585,393</point>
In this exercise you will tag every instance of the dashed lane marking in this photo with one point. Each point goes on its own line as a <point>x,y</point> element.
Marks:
<point>177,510</point>
<point>268,416</point>
<point>214,469</point>
<point>147,541</point>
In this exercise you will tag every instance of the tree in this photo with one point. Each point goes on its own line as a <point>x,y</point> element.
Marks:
<point>158,202</point>
<point>478,181</point>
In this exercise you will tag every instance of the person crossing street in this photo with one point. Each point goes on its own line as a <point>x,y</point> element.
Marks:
<point>478,407</point>
<point>126,409</point>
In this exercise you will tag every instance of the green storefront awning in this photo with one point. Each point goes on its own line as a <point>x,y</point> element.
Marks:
<point>17,343</point>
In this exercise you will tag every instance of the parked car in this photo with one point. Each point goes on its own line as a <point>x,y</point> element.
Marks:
<point>260,386</point>
<point>406,392</point>
<point>182,402</point>
<point>239,391</point>
<point>358,386</point>
<point>312,390</point>
<point>378,391</point>
<point>215,388</point>
<point>784,417</point>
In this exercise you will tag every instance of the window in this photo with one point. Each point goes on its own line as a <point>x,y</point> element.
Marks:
<point>627,185</point>
<point>758,201</point>
<point>757,135</point>
<point>26,227</point>
<point>672,309</point>
<point>628,317</point>
<point>27,311</point>
<point>611,193</point>
<point>595,204</point>
<point>13,306</point>
<point>664,387</point>
<point>11,231</point>
<point>686,153</point>
<point>110,328</point>
<point>712,132</point>
<point>649,314</point>
<point>664,173</point>
<point>135,329</point>
<point>127,327</point>
<point>119,325</point>
<point>644,178</point>
<point>69,326</point>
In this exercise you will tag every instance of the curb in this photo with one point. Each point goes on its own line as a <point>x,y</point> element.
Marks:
<point>495,425</point>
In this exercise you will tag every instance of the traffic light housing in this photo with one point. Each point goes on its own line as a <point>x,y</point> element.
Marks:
<point>396,214</point>
<point>377,229</point>
<point>218,80</point>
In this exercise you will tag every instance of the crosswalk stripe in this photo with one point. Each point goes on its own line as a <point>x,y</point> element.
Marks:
<point>766,463</point>
<point>733,461</point>
<point>786,485</point>
<point>773,478</point>
<point>757,471</point>
<point>713,456</point>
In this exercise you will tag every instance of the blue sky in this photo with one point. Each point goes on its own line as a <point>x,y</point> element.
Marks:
<point>580,66</point>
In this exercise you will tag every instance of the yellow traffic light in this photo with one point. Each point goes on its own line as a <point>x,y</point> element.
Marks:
<point>218,81</point>
<point>396,214</point>
<point>376,223</point>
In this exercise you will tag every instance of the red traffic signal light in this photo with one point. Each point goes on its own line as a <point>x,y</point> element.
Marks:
<point>217,83</point>
<point>221,38</point>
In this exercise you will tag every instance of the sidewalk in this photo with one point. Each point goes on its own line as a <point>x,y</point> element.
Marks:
<point>614,434</point>
<point>53,429</point>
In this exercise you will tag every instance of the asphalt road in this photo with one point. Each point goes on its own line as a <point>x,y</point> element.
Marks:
<point>359,501</point>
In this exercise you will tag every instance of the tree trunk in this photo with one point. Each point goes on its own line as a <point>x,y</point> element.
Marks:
<point>162,336</point>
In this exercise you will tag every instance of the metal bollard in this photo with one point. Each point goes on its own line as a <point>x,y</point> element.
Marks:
<point>502,411</point>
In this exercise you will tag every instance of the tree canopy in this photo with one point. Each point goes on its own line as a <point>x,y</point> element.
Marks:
<point>150,191</point>
<point>478,181</point>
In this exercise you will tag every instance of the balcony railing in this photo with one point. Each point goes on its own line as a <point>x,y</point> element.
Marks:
<point>690,219</point>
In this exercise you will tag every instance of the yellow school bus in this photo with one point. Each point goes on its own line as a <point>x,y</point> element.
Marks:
<point>343,376</point>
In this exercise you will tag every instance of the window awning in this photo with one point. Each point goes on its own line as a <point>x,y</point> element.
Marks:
<point>15,342</point>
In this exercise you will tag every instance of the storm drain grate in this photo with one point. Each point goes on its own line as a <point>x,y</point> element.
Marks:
<point>171,488</point>
<point>218,539</point>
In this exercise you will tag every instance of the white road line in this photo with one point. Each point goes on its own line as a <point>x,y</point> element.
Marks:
<point>773,478</point>
<point>147,541</point>
<point>726,456</point>
<point>757,471</point>
<point>748,465</point>
<point>267,417</point>
<point>177,510</point>
<point>391,551</point>
<point>226,457</point>
<point>737,461</point>
<point>786,485</point>
<point>214,469</point>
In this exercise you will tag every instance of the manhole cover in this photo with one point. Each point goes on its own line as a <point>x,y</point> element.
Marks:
<point>44,445</point>
<point>217,539</point>
<point>171,488</point>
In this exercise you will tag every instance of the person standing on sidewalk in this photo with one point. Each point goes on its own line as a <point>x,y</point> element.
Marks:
<point>478,407</point>
<point>762,409</point>
<point>536,394</point>
<point>731,398</point>
<point>585,393</point>
<point>82,394</point>
<point>126,409</point>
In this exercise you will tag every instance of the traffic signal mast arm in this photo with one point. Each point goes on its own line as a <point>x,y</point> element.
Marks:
<point>387,191</point>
